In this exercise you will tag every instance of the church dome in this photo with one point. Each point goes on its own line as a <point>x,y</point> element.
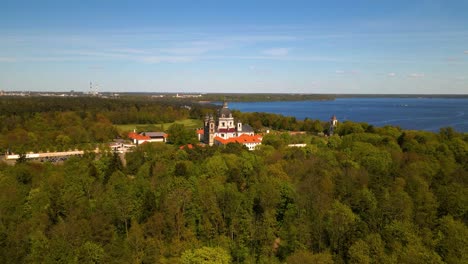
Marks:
<point>225,112</point>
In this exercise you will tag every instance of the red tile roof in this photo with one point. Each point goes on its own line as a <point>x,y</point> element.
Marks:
<point>200,132</point>
<point>136,136</point>
<point>242,139</point>
<point>189,146</point>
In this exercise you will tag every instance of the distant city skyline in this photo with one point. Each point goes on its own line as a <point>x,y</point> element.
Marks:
<point>414,47</point>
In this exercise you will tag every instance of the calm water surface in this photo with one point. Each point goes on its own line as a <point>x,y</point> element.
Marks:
<point>409,113</point>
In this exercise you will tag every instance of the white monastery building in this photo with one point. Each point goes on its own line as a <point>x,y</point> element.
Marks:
<point>226,130</point>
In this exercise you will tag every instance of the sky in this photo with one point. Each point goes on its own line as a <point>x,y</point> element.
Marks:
<point>226,46</point>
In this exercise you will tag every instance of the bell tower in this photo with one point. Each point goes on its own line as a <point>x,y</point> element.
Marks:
<point>211,133</point>
<point>333,124</point>
<point>209,130</point>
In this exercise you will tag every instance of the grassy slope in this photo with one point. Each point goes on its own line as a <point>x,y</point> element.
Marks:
<point>188,123</point>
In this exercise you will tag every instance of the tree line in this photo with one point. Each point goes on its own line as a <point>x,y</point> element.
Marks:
<point>56,123</point>
<point>62,123</point>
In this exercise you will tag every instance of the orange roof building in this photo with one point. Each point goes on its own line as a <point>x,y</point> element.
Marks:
<point>224,126</point>
<point>200,134</point>
<point>144,137</point>
<point>250,141</point>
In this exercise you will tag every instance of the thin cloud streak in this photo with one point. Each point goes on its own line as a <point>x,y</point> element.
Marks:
<point>130,51</point>
<point>278,58</point>
<point>195,47</point>
<point>351,72</point>
<point>276,51</point>
<point>178,47</point>
<point>270,34</point>
<point>43,59</point>
<point>169,59</point>
<point>416,75</point>
<point>177,44</point>
<point>7,59</point>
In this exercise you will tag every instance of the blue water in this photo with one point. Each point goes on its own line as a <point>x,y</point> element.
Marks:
<point>409,113</point>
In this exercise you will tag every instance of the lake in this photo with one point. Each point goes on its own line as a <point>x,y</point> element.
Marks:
<point>409,113</point>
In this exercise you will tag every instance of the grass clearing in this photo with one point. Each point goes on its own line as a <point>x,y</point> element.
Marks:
<point>188,123</point>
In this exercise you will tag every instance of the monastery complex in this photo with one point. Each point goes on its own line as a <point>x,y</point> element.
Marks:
<point>224,129</point>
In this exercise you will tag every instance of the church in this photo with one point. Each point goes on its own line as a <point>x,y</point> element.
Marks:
<point>226,130</point>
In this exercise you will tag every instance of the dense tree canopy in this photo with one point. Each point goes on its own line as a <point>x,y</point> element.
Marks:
<point>54,123</point>
<point>179,135</point>
<point>363,195</point>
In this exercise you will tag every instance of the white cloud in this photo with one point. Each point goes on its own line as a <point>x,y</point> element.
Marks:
<point>391,74</point>
<point>276,52</point>
<point>279,58</point>
<point>197,47</point>
<point>95,67</point>
<point>186,50</point>
<point>255,38</point>
<point>350,72</point>
<point>43,59</point>
<point>7,59</point>
<point>129,51</point>
<point>259,70</point>
<point>453,59</point>
<point>416,75</point>
<point>100,54</point>
<point>466,52</point>
<point>170,59</point>
<point>133,55</point>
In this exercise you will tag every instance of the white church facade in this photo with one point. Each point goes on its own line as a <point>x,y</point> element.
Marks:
<point>225,128</point>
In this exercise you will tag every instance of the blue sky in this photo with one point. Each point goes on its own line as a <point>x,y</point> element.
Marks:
<point>235,46</point>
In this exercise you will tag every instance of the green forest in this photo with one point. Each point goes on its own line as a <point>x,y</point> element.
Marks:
<point>56,123</point>
<point>364,195</point>
<point>41,124</point>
